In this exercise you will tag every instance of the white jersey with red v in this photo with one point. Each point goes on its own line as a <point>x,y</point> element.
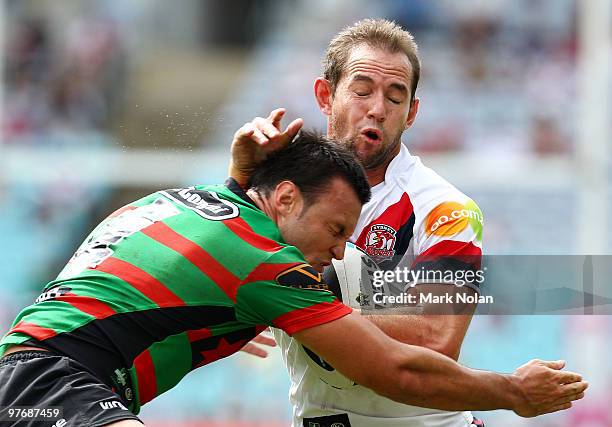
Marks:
<point>415,219</point>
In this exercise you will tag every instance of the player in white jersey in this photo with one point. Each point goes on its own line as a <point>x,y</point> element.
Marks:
<point>370,74</point>
<point>413,217</point>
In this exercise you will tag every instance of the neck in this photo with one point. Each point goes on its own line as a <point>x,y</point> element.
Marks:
<point>377,175</point>
<point>262,203</point>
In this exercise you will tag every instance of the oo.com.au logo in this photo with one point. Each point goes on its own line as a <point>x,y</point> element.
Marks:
<point>450,218</point>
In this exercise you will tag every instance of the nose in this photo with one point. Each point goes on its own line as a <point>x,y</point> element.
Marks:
<point>338,251</point>
<point>376,109</point>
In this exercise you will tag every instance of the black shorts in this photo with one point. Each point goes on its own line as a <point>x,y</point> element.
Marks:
<point>41,380</point>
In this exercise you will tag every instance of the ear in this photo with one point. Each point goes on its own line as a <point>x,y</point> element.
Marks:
<point>323,94</point>
<point>414,109</point>
<point>287,198</point>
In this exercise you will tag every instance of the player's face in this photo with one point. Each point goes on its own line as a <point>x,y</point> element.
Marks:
<point>372,106</point>
<point>320,230</point>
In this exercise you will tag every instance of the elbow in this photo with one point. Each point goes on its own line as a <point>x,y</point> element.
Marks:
<point>438,339</point>
<point>443,342</point>
<point>446,347</point>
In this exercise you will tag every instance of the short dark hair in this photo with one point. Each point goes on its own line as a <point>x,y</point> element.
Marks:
<point>311,161</point>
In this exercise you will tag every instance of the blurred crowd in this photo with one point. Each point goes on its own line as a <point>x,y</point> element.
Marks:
<point>498,77</point>
<point>72,81</point>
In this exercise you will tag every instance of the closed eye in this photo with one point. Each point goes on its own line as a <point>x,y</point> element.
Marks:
<point>337,231</point>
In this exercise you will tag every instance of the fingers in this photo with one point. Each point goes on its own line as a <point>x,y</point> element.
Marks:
<point>293,128</point>
<point>554,364</point>
<point>254,350</point>
<point>567,377</point>
<point>266,127</point>
<point>558,408</point>
<point>275,117</point>
<point>267,131</point>
<point>567,399</point>
<point>575,388</point>
<point>250,132</point>
<point>569,393</point>
<point>562,403</point>
<point>264,340</point>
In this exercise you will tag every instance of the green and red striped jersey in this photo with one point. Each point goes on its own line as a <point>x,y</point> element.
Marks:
<point>171,282</point>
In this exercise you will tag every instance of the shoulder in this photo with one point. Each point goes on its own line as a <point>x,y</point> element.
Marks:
<point>210,202</point>
<point>429,191</point>
<point>442,211</point>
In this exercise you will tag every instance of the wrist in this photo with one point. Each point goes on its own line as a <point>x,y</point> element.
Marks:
<point>516,398</point>
<point>240,176</point>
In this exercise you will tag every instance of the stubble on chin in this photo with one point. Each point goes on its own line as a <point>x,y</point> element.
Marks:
<point>378,158</point>
<point>373,161</point>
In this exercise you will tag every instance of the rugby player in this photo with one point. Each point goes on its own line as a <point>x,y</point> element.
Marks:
<point>415,219</point>
<point>184,277</point>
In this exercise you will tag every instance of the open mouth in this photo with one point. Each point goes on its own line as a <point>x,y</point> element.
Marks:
<point>373,135</point>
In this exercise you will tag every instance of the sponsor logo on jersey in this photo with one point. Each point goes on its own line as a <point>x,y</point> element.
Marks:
<point>380,242</point>
<point>451,218</point>
<point>302,276</point>
<point>339,420</point>
<point>205,203</point>
<point>100,244</point>
<point>52,293</point>
<point>112,404</point>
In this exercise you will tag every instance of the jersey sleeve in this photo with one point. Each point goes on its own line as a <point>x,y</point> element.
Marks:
<point>287,293</point>
<point>449,242</point>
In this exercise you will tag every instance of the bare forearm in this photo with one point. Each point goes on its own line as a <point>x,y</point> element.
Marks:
<point>435,381</point>
<point>422,377</point>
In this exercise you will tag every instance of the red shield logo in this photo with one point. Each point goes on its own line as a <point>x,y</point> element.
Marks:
<point>380,242</point>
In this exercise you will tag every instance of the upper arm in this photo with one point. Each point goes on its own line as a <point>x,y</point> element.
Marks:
<point>448,242</point>
<point>439,327</point>
<point>286,293</point>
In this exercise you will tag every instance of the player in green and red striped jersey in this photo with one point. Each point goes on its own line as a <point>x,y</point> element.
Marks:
<point>184,277</point>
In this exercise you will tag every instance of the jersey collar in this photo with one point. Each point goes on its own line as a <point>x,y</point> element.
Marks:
<point>398,166</point>
<point>235,188</point>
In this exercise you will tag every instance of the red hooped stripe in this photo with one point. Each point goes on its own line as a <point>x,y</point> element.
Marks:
<point>121,210</point>
<point>452,248</point>
<point>394,216</point>
<point>141,280</point>
<point>465,252</point>
<point>268,271</point>
<point>89,305</point>
<point>224,278</point>
<point>147,380</point>
<point>37,332</point>
<point>243,230</point>
<point>307,317</point>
